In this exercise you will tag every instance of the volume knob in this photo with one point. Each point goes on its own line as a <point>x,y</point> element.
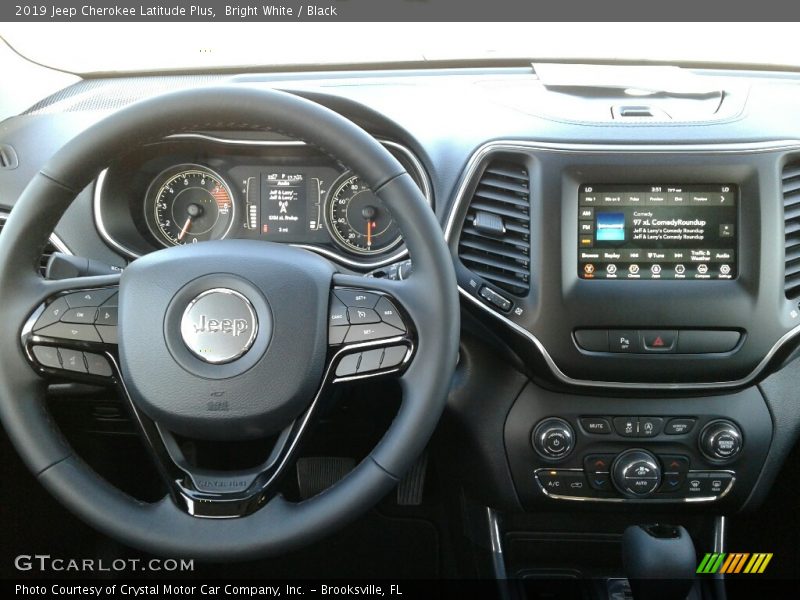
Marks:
<point>553,438</point>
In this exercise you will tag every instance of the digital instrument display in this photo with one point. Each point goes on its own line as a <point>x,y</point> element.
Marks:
<point>675,232</point>
<point>283,204</point>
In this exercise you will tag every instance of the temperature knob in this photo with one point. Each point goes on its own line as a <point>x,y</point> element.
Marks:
<point>553,438</point>
<point>636,473</point>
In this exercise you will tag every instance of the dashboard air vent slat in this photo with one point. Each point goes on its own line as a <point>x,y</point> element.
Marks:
<point>500,253</point>
<point>49,249</point>
<point>791,222</point>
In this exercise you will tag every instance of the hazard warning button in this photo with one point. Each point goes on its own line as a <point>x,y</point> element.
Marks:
<point>659,340</point>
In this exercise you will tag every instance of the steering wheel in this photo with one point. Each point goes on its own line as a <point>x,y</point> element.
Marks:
<point>228,340</point>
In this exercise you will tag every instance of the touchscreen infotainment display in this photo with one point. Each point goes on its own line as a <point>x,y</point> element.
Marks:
<point>682,232</point>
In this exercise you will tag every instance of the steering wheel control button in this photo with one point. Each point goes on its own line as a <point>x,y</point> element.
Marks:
<point>219,325</point>
<point>47,356</point>
<point>348,365</point>
<point>627,426</point>
<point>636,473</point>
<point>89,298</point>
<point>52,313</point>
<point>108,334</point>
<point>595,425</point>
<point>97,364</point>
<point>650,426</point>
<point>393,356</point>
<point>72,360</point>
<point>626,341</point>
<point>357,298</point>
<point>680,426</point>
<point>361,316</point>
<point>368,333</point>
<point>79,315</point>
<point>72,332</point>
<point>659,340</point>
<point>337,315</point>
<point>721,440</point>
<point>370,361</point>
<point>561,482</point>
<point>388,314</point>
<point>107,315</point>
<point>553,438</point>
<point>593,340</point>
<point>336,335</point>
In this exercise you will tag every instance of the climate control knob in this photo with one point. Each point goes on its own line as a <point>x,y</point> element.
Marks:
<point>553,438</point>
<point>721,441</point>
<point>636,473</point>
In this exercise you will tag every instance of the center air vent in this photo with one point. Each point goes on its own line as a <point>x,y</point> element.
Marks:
<point>791,222</point>
<point>495,240</point>
<point>49,249</point>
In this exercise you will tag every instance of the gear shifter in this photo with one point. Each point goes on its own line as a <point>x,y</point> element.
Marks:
<point>659,561</point>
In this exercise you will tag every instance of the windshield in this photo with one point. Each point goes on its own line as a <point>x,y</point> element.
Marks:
<point>85,48</point>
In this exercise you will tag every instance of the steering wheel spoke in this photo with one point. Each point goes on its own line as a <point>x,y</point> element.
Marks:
<point>72,334</point>
<point>370,333</point>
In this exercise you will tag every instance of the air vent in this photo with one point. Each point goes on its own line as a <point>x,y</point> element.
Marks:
<point>495,241</point>
<point>49,249</point>
<point>791,222</point>
<point>8,158</point>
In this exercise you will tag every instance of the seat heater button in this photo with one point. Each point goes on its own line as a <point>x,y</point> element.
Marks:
<point>73,360</point>
<point>98,365</point>
<point>337,315</point>
<point>366,333</point>
<point>47,356</point>
<point>89,298</point>
<point>52,313</point>
<point>108,333</point>
<point>357,298</point>
<point>70,331</point>
<point>370,361</point>
<point>361,316</point>
<point>388,314</point>
<point>336,334</point>
<point>348,365</point>
<point>106,315</point>
<point>79,315</point>
<point>393,356</point>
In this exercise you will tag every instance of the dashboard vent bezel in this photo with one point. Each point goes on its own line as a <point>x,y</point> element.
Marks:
<point>50,248</point>
<point>8,158</point>
<point>494,242</point>
<point>790,182</point>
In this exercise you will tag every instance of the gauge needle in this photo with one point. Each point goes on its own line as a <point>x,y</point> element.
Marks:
<point>185,229</point>
<point>369,233</point>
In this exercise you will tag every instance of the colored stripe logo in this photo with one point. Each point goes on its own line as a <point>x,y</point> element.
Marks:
<point>734,562</point>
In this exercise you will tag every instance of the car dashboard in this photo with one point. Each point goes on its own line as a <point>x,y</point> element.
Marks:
<point>628,266</point>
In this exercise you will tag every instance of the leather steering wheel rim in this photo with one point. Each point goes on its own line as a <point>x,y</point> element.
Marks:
<point>280,525</point>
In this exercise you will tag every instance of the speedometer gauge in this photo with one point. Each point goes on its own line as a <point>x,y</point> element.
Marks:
<point>358,220</point>
<point>188,204</point>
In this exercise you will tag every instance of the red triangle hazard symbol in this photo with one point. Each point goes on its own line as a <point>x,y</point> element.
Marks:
<point>658,341</point>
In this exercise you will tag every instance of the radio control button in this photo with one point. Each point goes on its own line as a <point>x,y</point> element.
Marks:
<point>72,332</point>
<point>52,313</point>
<point>89,298</point>
<point>97,364</point>
<point>47,356</point>
<point>79,315</point>
<point>72,360</point>
<point>595,425</point>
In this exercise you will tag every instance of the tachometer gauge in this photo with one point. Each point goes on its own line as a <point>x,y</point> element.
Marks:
<point>188,204</point>
<point>358,220</point>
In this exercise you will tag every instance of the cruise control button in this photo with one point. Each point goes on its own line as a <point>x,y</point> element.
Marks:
<point>336,334</point>
<point>337,314</point>
<point>650,426</point>
<point>52,313</point>
<point>357,298</point>
<point>108,333</point>
<point>366,333</point>
<point>47,356</point>
<point>596,425</point>
<point>627,426</point>
<point>106,315</point>
<point>348,365</point>
<point>72,360</point>
<point>361,316</point>
<point>79,315</point>
<point>89,298</point>
<point>388,314</point>
<point>97,364</point>
<point>370,361</point>
<point>69,331</point>
<point>393,356</point>
<point>679,426</point>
